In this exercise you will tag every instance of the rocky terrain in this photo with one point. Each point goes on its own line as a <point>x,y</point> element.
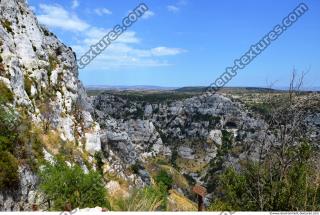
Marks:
<point>191,138</point>
<point>186,133</point>
<point>41,73</point>
<point>197,136</point>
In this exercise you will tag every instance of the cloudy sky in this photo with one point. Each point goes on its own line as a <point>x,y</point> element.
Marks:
<point>187,42</point>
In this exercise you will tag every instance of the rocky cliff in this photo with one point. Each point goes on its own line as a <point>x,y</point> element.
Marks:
<point>188,133</point>
<point>191,138</point>
<point>198,136</point>
<point>41,73</point>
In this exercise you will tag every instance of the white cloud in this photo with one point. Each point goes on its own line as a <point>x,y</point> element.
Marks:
<point>122,53</point>
<point>75,4</point>
<point>173,8</point>
<point>102,11</point>
<point>94,35</point>
<point>165,51</point>
<point>148,14</point>
<point>57,17</point>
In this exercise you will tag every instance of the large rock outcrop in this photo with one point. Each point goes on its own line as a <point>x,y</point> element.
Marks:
<point>42,74</point>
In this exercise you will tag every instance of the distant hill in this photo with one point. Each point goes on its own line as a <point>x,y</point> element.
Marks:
<point>202,88</point>
<point>123,87</point>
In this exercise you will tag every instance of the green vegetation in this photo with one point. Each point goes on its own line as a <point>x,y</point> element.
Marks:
<point>27,85</point>
<point>216,164</point>
<point>53,63</point>
<point>261,108</point>
<point>146,199</point>
<point>7,25</point>
<point>98,156</point>
<point>223,150</point>
<point>271,185</point>
<point>19,144</point>
<point>146,96</point>
<point>9,177</point>
<point>164,180</point>
<point>70,185</point>
<point>5,93</point>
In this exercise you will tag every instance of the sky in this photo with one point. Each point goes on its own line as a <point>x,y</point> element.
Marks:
<point>187,42</point>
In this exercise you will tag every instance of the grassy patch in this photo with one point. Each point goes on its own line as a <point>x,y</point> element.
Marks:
<point>178,202</point>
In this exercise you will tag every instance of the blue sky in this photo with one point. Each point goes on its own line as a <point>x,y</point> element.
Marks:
<point>187,42</point>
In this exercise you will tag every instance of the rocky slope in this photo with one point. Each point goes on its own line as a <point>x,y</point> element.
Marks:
<point>192,138</point>
<point>198,136</point>
<point>186,133</point>
<point>41,73</point>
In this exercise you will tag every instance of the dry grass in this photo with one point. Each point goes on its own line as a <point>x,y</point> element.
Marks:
<point>52,142</point>
<point>178,202</point>
<point>177,177</point>
<point>147,199</point>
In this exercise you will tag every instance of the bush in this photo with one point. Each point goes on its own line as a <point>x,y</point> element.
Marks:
<point>8,121</point>
<point>5,93</point>
<point>9,177</point>
<point>7,25</point>
<point>164,179</point>
<point>98,156</point>
<point>70,185</point>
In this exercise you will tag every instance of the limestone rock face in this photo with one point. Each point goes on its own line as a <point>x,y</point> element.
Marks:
<point>42,74</point>
<point>39,68</point>
<point>187,132</point>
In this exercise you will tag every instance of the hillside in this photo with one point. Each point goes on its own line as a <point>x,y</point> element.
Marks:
<point>144,149</point>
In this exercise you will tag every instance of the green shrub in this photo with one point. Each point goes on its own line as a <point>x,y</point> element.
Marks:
<point>7,25</point>
<point>271,185</point>
<point>5,93</point>
<point>9,177</point>
<point>98,157</point>
<point>164,179</point>
<point>70,185</point>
